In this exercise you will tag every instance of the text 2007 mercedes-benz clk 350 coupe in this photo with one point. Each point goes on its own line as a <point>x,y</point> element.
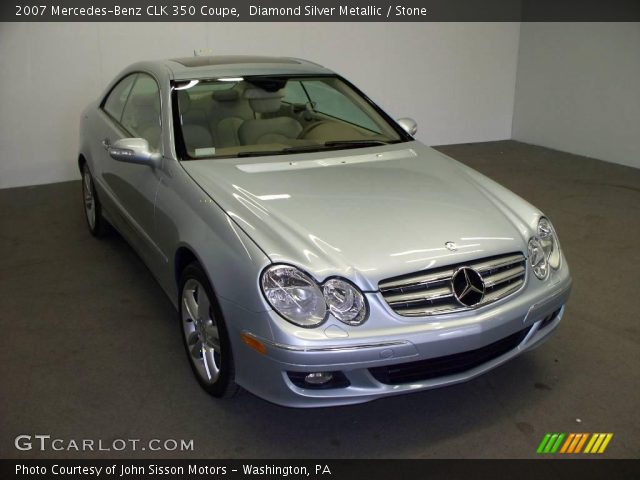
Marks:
<point>317,254</point>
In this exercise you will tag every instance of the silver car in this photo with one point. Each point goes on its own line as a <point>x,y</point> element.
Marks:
<point>316,253</point>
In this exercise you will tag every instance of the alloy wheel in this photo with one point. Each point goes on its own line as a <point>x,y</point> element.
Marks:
<point>201,331</point>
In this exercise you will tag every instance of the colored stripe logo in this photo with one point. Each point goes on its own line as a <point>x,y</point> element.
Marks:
<point>598,442</point>
<point>574,443</point>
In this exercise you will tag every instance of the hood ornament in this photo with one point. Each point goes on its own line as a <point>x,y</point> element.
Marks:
<point>451,246</point>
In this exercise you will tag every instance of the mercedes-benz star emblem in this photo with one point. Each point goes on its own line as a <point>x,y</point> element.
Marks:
<point>467,286</point>
<point>451,246</point>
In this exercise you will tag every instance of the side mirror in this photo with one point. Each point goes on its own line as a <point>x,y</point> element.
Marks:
<point>134,150</point>
<point>409,125</point>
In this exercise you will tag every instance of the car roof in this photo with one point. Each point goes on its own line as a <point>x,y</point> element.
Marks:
<point>198,67</point>
<point>211,67</point>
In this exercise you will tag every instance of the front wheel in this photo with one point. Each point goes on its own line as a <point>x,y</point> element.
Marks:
<point>205,334</point>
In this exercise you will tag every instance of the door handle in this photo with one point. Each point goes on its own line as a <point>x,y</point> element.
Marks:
<point>106,143</point>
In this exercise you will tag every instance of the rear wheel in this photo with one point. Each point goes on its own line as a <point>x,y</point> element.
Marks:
<point>92,207</point>
<point>205,335</point>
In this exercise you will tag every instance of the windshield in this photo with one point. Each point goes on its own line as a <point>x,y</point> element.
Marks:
<point>266,115</point>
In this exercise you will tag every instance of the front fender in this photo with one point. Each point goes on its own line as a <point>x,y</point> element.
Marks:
<point>187,218</point>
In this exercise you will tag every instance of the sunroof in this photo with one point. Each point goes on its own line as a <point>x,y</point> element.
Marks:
<point>229,60</point>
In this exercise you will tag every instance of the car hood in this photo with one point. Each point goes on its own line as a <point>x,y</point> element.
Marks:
<point>366,214</point>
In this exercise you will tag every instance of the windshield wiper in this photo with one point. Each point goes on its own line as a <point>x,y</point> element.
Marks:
<point>260,153</point>
<point>335,145</point>
<point>331,145</point>
<point>359,143</point>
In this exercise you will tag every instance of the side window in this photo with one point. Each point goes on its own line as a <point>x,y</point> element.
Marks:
<point>114,104</point>
<point>141,115</point>
<point>294,93</point>
<point>330,101</point>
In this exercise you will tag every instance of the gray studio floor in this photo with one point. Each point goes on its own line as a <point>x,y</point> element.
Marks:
<point>90,347</point>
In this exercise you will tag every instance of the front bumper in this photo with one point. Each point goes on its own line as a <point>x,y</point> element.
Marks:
<point>471,344</point>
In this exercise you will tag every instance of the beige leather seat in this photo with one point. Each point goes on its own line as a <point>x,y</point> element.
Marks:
<point>228,112</point>
<point>270,130</point>
<point>190,112</point>
<point>195,129</point>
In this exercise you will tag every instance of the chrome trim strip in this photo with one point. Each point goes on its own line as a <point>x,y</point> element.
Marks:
<point>422,312</point>
<point>331,348</point>
<point>503,292</point>
<point>498,278</point>
<point>414,281</point>
<point>435,294</point>
<point>497,263</point>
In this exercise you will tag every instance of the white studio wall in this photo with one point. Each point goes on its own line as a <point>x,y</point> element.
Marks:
<point>456,79</point>
<point>578,89</point>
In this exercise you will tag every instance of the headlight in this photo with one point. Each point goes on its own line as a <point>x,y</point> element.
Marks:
<point>299,299</point>
<point>294,295</point>
<point>544,249</point>
<point>345,301</point>
<point>549,242</point>
<point>538,259</point>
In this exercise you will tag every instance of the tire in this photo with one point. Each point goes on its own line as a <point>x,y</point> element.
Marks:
<point>92,208</point>
<point>205,337</point>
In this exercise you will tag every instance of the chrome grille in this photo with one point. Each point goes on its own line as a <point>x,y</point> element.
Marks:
<point>430,293</point>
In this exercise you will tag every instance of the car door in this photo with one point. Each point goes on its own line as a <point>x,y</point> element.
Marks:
<point>132,110</point>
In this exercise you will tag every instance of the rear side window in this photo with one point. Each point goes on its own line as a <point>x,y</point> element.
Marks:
<point>117,98</point>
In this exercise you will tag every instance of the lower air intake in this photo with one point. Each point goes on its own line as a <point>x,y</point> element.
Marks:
<point>448,365</point>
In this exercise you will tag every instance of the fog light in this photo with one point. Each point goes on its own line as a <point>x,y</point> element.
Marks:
<point>318,378</point>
